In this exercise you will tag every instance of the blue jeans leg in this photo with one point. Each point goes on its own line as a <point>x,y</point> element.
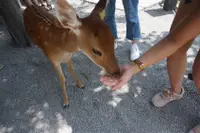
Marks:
<point>110,17</point>
<point>132,19</point>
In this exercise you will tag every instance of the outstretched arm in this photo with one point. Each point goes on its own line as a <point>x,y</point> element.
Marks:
<point>177,38</point>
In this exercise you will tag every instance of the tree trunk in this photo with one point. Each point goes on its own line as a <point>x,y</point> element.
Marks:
<point>13,17</point>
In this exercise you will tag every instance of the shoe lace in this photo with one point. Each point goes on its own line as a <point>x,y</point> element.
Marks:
<point>167,93</point>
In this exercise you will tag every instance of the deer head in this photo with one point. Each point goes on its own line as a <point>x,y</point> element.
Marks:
<point>94,36</point>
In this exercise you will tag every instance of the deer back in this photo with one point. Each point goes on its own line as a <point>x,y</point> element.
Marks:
<point>47,32</point>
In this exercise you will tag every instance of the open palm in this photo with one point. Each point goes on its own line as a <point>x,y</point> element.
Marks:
<point>117,83</point>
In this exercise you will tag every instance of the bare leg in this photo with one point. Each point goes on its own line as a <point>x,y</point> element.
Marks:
<point>196,71</point>
<point>71,70</point>
<point>174,46</point>
<point>61,77</point>
<point>176,66</point>
<point>177,63</point>
<point>196,77</point>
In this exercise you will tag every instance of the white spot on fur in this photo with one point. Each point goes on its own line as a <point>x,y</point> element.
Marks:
<point>46,28</point>
<point>77,32</point>
<point>63,36</point>
<point>65,56</point>
<point>45,43</point>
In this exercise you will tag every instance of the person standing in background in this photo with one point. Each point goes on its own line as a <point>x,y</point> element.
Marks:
<point>132,24</point>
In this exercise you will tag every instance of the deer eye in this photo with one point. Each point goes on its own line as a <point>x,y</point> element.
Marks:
<point>96,52</point>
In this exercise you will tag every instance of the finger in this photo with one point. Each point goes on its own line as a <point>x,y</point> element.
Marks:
<point>41,2</point>
<point>109,79</point>
<point>105,78</point>
<point>119,85</point>
<point>48,2</point>
<point>102,78</point>
<point>35,2</point>
<point>110,83</point>
<point>28,2</point>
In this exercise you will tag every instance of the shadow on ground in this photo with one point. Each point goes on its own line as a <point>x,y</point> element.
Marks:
<point>158,12</point>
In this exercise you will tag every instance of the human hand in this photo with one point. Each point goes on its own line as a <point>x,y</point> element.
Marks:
<point>117,83</point>
<point>44,3</point>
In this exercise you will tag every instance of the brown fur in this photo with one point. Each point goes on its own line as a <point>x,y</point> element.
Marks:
<point>62,35</point>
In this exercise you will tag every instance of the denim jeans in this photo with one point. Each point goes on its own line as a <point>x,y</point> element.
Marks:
<point>132,19</point>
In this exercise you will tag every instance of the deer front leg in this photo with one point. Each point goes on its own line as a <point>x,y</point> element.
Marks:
<point>71,70</point>
<point>61,77</point>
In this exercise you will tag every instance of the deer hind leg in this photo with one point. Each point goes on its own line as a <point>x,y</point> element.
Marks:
<point>61,77</point>
<point>71,70</point>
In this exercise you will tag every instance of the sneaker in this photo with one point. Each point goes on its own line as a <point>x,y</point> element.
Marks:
<point>195,129</point>
<point>134,52</point>
<point>163,98</point>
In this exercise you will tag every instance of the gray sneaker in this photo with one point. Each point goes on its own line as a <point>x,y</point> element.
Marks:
<point>163,98</point>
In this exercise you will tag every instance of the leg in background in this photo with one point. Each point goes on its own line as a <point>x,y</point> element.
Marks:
<point>133,26</point>
<point>109,18</point>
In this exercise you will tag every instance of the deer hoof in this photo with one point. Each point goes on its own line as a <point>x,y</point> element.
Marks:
<point>81,86</point>
<point>65,106</point>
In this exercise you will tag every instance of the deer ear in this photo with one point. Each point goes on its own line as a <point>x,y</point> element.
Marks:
<point>66,14</point>
<point>100,8</point>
